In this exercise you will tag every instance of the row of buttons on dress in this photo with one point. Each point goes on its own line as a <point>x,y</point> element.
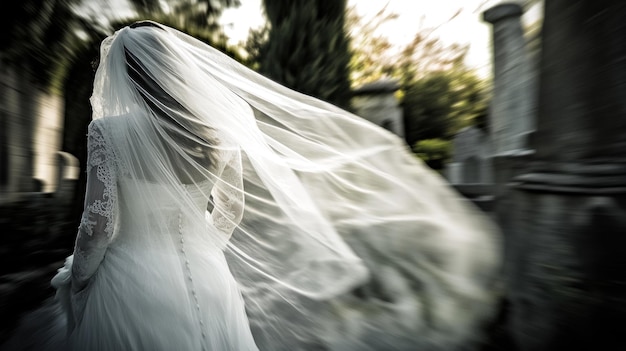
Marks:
<point>193,290</point>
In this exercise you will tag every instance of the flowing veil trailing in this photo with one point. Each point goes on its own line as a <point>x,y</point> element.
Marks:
<point>341,238</point>
<point>192,98</point>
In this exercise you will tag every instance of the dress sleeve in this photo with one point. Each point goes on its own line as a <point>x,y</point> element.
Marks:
<point>228,196</point>
<point>98,219</point>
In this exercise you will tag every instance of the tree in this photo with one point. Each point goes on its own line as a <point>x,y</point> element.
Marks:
<point>374,57</point>
<point>439,93</point>
<point>255,45</point>
<point>442,102</point>
<point>371,58</point>
<point>307,48</point>
<point>197,17</point>
<point>38,37</point>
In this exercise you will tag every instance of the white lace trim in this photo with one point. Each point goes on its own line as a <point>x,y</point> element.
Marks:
<point>226,217</point>
<point>101,156</point>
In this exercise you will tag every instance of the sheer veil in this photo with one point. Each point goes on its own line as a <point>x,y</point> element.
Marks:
<point>319,183</point>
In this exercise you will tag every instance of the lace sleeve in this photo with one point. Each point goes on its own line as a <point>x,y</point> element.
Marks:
<point>97,222</point>
<point>228,196</point>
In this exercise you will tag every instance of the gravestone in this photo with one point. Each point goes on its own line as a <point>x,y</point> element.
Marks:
<point>376,102</point>
<point>471,158</point>
<point>470,171</point>
<point>68,169</point>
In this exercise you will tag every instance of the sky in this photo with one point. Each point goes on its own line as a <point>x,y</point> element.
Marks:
<point>466,27</point>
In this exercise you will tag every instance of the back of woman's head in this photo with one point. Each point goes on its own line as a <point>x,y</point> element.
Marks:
<point>143,67</point>
<point>152,66</point>
<point>145,23</point>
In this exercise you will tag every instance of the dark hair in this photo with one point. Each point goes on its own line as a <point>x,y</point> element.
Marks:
<point>145,23</point>
<point>141,78</point>
<point>149,90</point>
<point>138,74</point>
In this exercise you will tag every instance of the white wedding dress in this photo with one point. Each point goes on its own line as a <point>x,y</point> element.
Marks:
<point>151,286</point>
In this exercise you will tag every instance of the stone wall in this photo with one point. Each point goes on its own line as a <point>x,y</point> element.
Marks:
<point>562,207</point>
<point>31,121</point>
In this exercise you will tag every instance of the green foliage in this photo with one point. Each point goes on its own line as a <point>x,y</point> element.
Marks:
<point>441,103</point>
<point>434,152</point>
<point>197,17</point>
<point>198,13</point>
<point>307,48</point>
<point>255,45</point>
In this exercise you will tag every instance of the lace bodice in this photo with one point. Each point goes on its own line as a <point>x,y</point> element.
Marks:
<point>113,200</point>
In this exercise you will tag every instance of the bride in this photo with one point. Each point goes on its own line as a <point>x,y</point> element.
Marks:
<point>340,238</point>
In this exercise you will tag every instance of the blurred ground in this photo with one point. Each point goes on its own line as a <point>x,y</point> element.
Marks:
<point>35,239</point>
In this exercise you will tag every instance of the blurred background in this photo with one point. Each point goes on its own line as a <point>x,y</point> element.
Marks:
<point>519,105</point>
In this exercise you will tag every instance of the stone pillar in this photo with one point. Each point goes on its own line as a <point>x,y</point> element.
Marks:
<point>511,115</point>
<point>4,135</point>
<point>67,174</point>
<point>567,264</point>
<point>47,137</point>
<point>17,122</point>
<point>513,108</point>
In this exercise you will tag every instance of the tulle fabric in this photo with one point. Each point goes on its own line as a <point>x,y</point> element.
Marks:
<point>178,105</point>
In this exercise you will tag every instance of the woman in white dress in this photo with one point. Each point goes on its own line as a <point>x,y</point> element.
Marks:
<point>148,272</point>
<point>340,238</point>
